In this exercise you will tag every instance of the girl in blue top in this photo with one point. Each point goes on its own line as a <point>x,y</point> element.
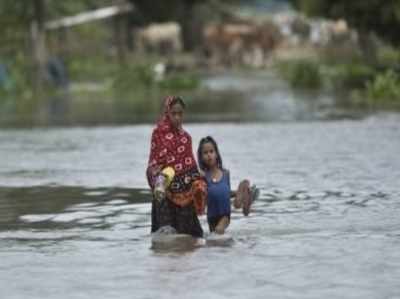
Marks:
<point>219,187</point>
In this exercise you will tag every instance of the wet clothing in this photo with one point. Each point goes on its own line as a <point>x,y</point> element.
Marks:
<point>218,195</point>
<point>218,198</point>
<point>183,219</point>
<point>173,147</point>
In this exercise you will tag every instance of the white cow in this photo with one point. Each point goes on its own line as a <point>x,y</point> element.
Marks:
<point>164,38</point>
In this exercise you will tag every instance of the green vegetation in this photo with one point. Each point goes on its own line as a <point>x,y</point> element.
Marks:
<point>347,76</point>
<point>361,84</point>
<point>140,91</point>
<point>304,74</point>
<point>384,90</point>
<point>127,94</point>
<point>372,79</point>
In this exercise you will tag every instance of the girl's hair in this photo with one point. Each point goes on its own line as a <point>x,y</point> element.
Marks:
<point>203,141</point>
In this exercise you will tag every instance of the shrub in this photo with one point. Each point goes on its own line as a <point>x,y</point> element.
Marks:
<point>180,82</point>
<point>304,74</point>
<point>384,89</point>
<point>349,76</point>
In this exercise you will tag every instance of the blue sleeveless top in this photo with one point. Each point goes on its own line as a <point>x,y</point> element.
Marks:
<point>218,196</point>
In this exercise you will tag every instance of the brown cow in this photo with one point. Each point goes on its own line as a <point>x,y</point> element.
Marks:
<point>240,43</point>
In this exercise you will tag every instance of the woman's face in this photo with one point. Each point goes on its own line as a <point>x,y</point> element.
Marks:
<point>176,115</point>
<point>209,154</point>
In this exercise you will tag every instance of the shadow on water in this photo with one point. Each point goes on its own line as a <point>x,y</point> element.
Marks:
<point>62,206</point>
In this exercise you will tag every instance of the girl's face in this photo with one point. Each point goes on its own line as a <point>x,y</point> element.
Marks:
<point>176,115</point>
<point>209,155</point>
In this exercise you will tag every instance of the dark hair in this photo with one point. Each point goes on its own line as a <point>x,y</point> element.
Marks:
<point>208,139</point>
<point>177,100</point>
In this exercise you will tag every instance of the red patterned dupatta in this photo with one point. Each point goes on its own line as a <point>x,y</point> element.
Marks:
<point>172,147</point>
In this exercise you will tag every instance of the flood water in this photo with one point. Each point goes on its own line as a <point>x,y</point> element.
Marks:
<point>75,214</point>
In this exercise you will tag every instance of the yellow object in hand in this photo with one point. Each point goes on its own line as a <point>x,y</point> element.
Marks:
<point>169,174</point>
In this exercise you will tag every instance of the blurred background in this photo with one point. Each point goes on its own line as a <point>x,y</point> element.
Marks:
<point>302,96</point>
<point>111,62</point>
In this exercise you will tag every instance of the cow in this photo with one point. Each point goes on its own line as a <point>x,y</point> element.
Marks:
<point>161,38</point>
<point>240,43</point>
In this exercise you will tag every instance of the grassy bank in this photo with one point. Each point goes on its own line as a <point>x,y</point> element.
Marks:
<point>356,82</point>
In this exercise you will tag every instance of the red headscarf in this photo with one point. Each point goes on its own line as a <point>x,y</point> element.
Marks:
<point>172,147</point>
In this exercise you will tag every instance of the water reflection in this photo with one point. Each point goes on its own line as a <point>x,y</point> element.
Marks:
<point>235,96</point>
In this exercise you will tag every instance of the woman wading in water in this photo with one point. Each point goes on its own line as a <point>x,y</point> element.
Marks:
<point>173,168</point>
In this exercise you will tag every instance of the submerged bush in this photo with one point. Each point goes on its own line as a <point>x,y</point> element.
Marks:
<point>303,74</point>
<point>132,78</point>
<point>180,82</point>
<point>349,76</point>
<point>389,56</point>
<point>143,77</point>
<point>384,89</point>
